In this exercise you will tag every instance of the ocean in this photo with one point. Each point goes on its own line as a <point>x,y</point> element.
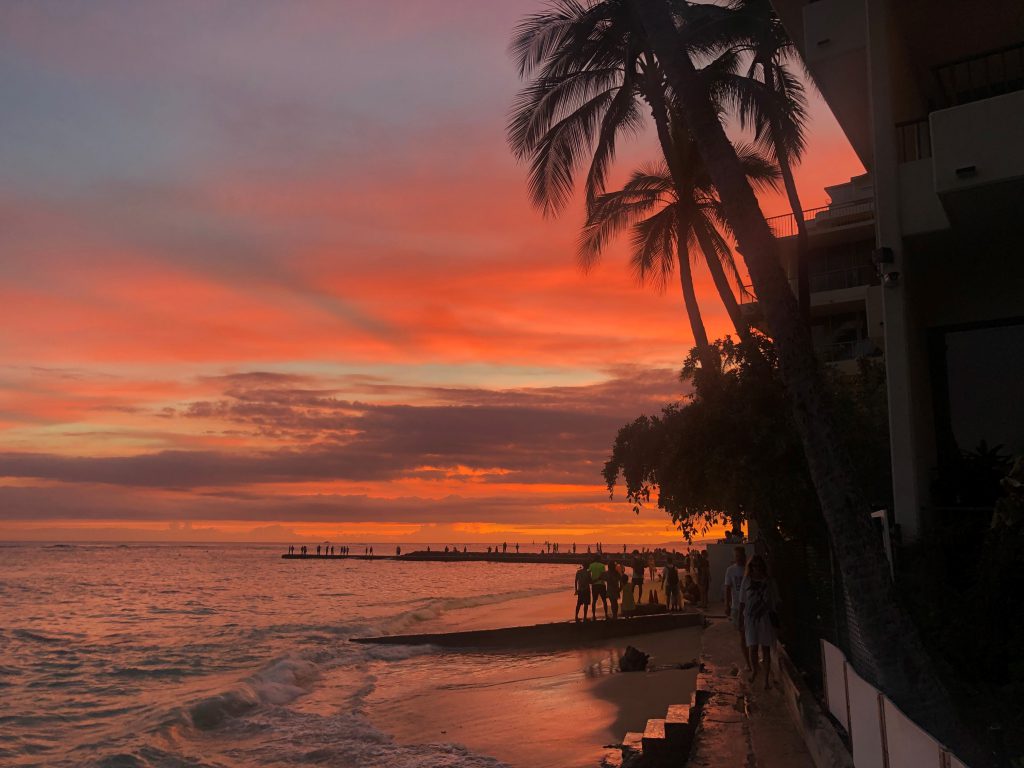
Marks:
<point>227,655</point>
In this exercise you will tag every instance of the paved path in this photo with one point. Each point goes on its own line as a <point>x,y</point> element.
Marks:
<point>743,726</point>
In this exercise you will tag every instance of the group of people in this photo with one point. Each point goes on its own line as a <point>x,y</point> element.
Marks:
<point>751,601</point>
<point>328,550</point>
<point>612,585</point>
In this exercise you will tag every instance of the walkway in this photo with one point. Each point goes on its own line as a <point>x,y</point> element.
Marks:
<point>742,726</point>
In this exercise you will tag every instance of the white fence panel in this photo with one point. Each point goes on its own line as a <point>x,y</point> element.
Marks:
<point>865,722</point>
<point>907,745</point>
<point>835,683</point>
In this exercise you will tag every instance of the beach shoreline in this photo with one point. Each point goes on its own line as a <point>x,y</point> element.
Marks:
<point>545,709</point>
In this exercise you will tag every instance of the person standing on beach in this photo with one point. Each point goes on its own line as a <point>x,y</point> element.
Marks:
<point>613,586</point>
<point>758,601</point>
<point>733,583</point>
<point>672,596</point>
<point>582,591</point>
<point>703,578</point>
<point>628,605</point>
<point>638,575</point>
<point>597,587</point>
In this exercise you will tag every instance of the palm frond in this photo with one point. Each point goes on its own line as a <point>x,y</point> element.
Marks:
<point>545,101</point>
<point>654,242</point>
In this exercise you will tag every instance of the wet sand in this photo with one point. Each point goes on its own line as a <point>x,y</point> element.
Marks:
<point>555,708</point>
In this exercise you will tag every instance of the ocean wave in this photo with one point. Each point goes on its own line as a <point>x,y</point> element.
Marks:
<point>36,637</point>
<point>281,682</point>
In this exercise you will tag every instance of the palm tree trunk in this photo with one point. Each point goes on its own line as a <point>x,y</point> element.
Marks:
<point>708,357</point>
<point>895,659</point>
<point>803,280</point>
<point>700,336</point>
<point>722,284</point>
<point>659,111</point>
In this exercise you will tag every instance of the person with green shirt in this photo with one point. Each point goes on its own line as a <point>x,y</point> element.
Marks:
<point>598,588</point>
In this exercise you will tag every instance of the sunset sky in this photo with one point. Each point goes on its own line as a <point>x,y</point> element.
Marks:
<point>269,272</point>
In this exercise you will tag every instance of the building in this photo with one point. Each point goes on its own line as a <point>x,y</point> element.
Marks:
<point>846,291</point>
<point>930,94</point>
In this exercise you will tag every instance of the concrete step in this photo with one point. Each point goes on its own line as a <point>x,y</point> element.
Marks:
<point>679,727</point>
<point>655,744</point>
<point>632,745</point>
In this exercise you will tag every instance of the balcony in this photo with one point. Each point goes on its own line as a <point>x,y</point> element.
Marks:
<point>982,76</point>
<point>823,218</point>
<point>841,279</point>
<point>978,144</point>
<point>841,351</point>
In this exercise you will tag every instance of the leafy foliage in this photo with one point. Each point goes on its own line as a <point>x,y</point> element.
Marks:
<point>731,452</point>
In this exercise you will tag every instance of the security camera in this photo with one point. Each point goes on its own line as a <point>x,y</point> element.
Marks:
<point>891,278</point>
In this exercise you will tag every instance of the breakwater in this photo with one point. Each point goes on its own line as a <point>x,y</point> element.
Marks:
<point>556,634</point>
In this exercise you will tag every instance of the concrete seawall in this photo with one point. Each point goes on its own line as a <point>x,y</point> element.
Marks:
<point>546,635</point>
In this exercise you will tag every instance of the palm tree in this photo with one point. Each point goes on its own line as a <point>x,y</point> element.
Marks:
<point>589,67</point>
<point>667,230</point>
<point>896,660</point>
<point>583,64</point>
<point>779,116</point>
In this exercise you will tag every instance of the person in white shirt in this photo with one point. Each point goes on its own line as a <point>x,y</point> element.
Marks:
<point>733,581</point>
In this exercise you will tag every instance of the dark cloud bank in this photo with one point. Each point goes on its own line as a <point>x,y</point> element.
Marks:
<point>559,435</point>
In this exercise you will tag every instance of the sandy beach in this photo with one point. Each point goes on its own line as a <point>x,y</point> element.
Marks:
<point>555,708</point>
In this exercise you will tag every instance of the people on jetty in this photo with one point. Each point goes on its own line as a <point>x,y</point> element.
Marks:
<point>598,587</point>
<point>582,591</point>
<point>733,584</point>
<point>759,600</point>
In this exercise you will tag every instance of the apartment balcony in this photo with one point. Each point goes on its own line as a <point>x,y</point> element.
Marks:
<point>967,159</point>
<point>825,219</point>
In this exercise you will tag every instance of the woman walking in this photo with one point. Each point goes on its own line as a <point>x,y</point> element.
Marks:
<point>759,600</point>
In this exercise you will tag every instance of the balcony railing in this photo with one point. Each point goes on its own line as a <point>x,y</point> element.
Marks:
<point>983,75</point>
<point>838,279</point>
<point>847,350</point>
<point>913,140</point>
<point>831,280</point>
<point>824,216</point>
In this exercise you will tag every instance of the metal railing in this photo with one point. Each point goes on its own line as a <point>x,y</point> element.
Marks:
<point>982,76</point>
<point>823,216</point>
<point>838,279</point>
<point>913,140</point>
<point>847,350</point>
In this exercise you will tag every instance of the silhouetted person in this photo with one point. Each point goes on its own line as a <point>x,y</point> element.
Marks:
<point>398,551</point>
<point>504,547</point>
<point>582,591</point>
<point>638,576</point>
<point>517,547</point>
<point>598,587</point>
<point>672,594</point>
<point>318,550</point>
<point>691,591</point>
<point>613,586</point>
<point>733,584</point>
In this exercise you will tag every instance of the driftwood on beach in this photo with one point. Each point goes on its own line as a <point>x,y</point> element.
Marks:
<point>545,635</point>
